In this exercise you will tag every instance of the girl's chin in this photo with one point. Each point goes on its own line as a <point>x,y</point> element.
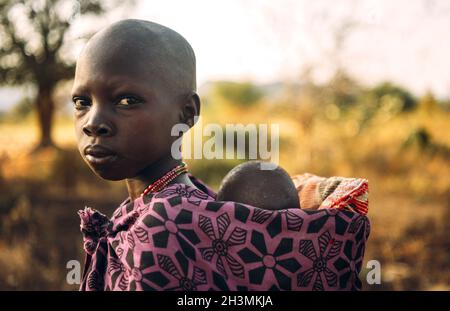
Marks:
<point>108,173</point>
<point>115,173</point>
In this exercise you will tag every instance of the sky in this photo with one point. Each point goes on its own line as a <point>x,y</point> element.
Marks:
<point>404,41</point>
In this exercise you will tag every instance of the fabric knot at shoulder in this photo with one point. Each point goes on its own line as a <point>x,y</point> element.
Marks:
<point>94,226</point>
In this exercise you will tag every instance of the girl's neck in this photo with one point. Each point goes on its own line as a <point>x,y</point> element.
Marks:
<point>153,172</point>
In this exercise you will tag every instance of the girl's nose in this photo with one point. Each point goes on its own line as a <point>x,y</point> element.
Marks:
<point>96,128</point>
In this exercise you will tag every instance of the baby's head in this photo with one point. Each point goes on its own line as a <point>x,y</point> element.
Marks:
<point>267,189</point>
<point>134,81</point>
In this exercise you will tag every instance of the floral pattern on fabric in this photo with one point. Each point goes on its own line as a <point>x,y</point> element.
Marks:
<point>181,239</point>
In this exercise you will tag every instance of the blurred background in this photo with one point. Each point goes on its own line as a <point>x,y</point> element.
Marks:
<point>359,89</point>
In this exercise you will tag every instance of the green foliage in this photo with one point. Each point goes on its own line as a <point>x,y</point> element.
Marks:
<point>419,137</point>
<point>242,94</point>
<point>389,90</point>
<point>422,140</point>
<point>342,90</point>
<point>34,58</point>
<point>343,97</point>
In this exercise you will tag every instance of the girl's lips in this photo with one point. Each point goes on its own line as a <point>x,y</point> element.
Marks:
<point>101,160</point>
<point>99,155</point>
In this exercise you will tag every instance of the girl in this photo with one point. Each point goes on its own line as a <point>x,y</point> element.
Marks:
<point>134,81</point>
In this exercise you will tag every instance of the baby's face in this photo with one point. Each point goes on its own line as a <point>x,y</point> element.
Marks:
<point>122,107</point>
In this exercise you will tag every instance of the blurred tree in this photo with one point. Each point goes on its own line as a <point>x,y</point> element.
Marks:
<point>243,94</point>
<point>388,89</point>
<point>419,137</point>
<point>32,34</point>
<point>342,90</point>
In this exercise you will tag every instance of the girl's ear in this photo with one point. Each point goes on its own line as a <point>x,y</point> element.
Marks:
<point>191,109</point>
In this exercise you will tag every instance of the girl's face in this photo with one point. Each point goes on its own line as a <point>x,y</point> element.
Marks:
<point>123,115</point>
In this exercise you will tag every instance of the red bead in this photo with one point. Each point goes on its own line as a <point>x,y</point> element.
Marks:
<point>165,179</point>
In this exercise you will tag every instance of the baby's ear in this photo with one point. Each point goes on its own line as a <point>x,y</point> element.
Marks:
<point>191,109</point>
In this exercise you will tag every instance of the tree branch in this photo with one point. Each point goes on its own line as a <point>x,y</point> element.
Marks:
<point>18,44</point>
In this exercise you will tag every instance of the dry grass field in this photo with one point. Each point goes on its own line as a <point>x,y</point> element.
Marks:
<point>405,156</point>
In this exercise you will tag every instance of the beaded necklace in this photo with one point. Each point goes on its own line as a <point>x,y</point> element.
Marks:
<point>163,181</point>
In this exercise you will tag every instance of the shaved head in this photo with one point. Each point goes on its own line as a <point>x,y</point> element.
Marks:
<point>148,48</point>
<point>134,81</point>
<point>267,189</point>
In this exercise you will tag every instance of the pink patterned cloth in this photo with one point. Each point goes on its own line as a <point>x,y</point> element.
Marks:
<point>181,239</point>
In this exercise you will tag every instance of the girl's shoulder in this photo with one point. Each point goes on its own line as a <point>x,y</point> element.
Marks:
<point>202,186</point>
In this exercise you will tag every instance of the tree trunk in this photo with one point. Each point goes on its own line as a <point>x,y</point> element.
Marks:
<point>45,111</point>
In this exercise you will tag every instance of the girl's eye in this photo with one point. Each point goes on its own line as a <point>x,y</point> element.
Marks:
<point>80,103</point>
<point>128,101</point>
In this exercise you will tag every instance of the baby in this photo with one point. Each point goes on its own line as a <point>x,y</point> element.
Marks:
<point>267,189</point>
